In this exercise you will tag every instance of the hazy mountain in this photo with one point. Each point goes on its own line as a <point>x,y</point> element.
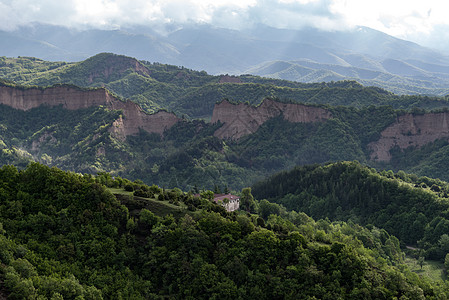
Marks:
<point>60,43</point>
<point>308,54</point>
<point>394,75</point>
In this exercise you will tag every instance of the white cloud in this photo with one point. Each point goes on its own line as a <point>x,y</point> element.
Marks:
<point>400,18</point>
<point>105,12</point>
<point>410,19</point>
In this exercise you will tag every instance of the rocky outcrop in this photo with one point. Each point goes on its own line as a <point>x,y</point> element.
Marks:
<point>410,131</point>
<point>134,119</point>
<point>74,98</point>
<point>69,97</point>
<point>243,119</point>
<point>229,79</point>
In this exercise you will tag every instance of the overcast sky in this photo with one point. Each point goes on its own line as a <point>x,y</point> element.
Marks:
<point>423,21</point>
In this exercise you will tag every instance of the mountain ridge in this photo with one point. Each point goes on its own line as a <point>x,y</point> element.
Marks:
<point>220,51</point>
<point>187,92</point>
<point>400,77</point>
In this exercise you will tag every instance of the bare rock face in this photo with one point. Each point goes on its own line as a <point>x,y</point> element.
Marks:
<point>410,131</point>
<point>134,118</point>
<point>242,119</point>
<point>69,97</point>
<point>74,98</point>
<point>229,79</point>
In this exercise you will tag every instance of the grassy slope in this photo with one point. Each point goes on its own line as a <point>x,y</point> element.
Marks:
<point>136,204</point>
<point>431,269</point>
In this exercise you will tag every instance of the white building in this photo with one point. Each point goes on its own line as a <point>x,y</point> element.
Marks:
<point>229,201</point>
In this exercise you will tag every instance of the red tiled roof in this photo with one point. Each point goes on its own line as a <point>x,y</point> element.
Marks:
<point>221,197</point>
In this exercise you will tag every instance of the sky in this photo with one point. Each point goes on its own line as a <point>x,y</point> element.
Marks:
<point>424,22</point>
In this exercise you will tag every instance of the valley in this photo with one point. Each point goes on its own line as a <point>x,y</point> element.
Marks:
<point>166,149</point>
<point>185,128</point>
<point>141,170</point>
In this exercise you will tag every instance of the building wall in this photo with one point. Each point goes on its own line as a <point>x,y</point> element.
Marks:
<point>232,205</point>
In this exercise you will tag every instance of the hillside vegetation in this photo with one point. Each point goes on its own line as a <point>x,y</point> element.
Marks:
<point>155,86</point>
<point>74,139</point>
<point>412,208</point>
<point>92,234</point>
<point>188,154</point>
<point>65,236</point>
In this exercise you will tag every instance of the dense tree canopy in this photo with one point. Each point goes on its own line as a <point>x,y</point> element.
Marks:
<point>413,209</point>
<point>64,235</point>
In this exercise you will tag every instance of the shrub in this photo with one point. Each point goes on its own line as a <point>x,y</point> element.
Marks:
<point>129,187</point>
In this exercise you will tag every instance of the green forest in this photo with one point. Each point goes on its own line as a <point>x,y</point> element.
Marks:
<point>71,236</point>
<point>414,209</point>
<point>87,215</point>
<point>188,154</point>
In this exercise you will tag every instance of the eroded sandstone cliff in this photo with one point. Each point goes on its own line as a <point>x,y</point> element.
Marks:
<point>74,98</point>
<point>243,119</point>
<point>410,131</point>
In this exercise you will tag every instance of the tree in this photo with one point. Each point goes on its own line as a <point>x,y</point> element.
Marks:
<point>446,262</point>
<point>421,261</point>
<point>209,195</point>
<point>247,200</point>
<point>444,243</point>
<point>148,218</point>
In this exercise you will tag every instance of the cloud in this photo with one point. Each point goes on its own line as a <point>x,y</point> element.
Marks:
<point>20,12</point>
<point>437,37</point>
<point>400,18</point>
<point>410,19</point>
<point>296,14</point>
<point>103,13</point>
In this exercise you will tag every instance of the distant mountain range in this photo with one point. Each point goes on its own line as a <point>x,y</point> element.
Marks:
<point>394,75</point>
<point>307,55</point>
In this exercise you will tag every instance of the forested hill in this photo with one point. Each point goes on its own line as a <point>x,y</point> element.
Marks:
<point>196,152</point>
<point>157,86</point>
<point>192,153</point>
<point>412,208</point>
<point>66,236</point>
